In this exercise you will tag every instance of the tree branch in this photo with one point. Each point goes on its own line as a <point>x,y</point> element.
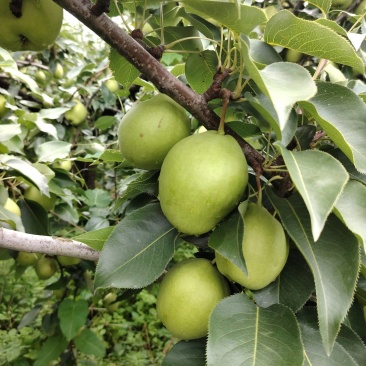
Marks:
<point>15,240</point>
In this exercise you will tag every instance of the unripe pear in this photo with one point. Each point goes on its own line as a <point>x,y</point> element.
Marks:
<point>33,194</point>
<point>187,295</point>
<point>265,250</point>
<point>150,129</point>
<point>77,114</point>
<point>202,179</point>
<point>11,206</point>
<point>46,268</point>
<point>27,259</point>
<point>3,108</point>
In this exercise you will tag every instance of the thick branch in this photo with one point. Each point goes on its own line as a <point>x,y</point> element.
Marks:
<point>125,45</point>
<point>19,241</point>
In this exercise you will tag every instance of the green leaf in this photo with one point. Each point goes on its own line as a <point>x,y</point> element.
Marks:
<point>351,208</point>
<point>342,114</point>
<point>26,170</point>
<point>183,353</point>
<point>319,178</point>
<point>52,150</point>
<point>323,5</point>
<point>97,197</point>
<point>51,350</point>
<point>105,122</point>
<point>333,260</point>
<point>292,288</point>
<point>124,72</point>
<point>239,18</point>
<point>173,34</point>
<point>284,84</point>
<point>111,156</point>
<point>89,343</point>
<point>352,171</point>
<point>227,238</point>
<point>136,184</point>
<point>95,239</point>
<point>200,70</point>
<point>72,315</point>
<point>241,333</point>
<point>137,251</point>
<point>348,348</point>
<point>309,37</point>
<point>8,131</point>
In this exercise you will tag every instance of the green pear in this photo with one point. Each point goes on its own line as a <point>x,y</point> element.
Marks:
<point>77,114</point>
<point>293,56</point>
<point>68,261</point>
<point>59,71</point>
<point>11,206</point>
<point>26,259</point>
<point>187,295</point>
<point>3,108</point>
<point>46,267</point>
<point>112,85</point>
<point>202,179</point>
<point>265,250</point>
<point>40,77</point>
<point>35,30</point>
<point>150,129</point>
<point>341,4</point>
<point>33,194</point>
<point>63,164</point>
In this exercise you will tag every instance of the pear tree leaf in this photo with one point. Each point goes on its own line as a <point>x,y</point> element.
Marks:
<point>292,287</point>
<point>111,156</point>
<point>134,185</point>
<point>352,171</point>
<point>227,239</point>
<point>333,260</point>
<point>179,34</point>
<point>51,350</point>
<point>183,353</point>
<point>137,251</point>
<point>200,70</point>
<point>26,170</point>
<point>73,315</point>
<point>95,239</point>
<point>243,334</point>
<point>8,131</point>
<point>348,348</point>
<point>342,114</point>
<point>89,343</point>
<point>51,150</point>
<point>309,37</point>
<point>323,5</point>
<point>351,208</point>
<point>284,84</point>
<point>124,72</point>
<point>319,178</point>
<point>238,18</point>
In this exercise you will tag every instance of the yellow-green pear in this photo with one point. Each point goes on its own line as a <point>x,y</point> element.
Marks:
<point>59,71</point>
<point>36,29</point>
<point>3,108</point>
<point>46,267</point>
<point>187,295</point>
<point>67,261</point>
<point>11,206</point>
<point>26,259</point>
<point>150,129</point>
<point>265,250</point>
<point>77,114</point>
<point>40,77</point>
<point>33,194</point>
<point>202,179</point>
<point>112,85</point>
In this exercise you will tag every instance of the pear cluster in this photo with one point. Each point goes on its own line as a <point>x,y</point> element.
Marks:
<point>34,30</point>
